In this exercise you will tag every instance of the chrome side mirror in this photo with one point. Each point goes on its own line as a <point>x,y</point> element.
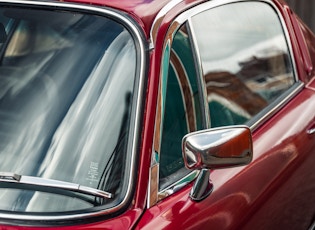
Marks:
<point>214,149</point>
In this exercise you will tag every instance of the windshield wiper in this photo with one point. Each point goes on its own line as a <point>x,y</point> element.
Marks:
<point>38,182</point>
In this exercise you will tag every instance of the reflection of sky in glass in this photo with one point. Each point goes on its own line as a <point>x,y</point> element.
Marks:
<point>261,49</point>
<point>22,135</point>
<point>88,135</point>
<point>90,130</point>
<point>230,34</point>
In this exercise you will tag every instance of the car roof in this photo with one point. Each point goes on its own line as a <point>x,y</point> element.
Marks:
<point>144,11</point>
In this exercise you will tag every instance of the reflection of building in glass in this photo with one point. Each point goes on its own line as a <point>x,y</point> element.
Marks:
<point>267,76</point>
<point>235,98</point>
<point>230,100</point>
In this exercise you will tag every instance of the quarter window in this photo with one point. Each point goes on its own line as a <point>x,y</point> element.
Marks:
<point>182,108</point>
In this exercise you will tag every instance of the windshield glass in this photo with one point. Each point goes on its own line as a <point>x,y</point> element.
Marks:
<point>66,89</point>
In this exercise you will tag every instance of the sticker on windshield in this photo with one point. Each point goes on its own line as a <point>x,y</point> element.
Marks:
<point>93,172</point>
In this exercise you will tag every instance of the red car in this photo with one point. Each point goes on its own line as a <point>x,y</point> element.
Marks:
<point>156,114</point>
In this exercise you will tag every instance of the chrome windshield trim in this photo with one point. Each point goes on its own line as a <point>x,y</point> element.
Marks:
<point>35,182</point>
<point>141,46</point>
<point>271,109</point>
<point>159,18</point>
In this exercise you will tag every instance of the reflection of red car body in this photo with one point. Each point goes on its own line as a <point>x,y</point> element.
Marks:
<point>275,191</point>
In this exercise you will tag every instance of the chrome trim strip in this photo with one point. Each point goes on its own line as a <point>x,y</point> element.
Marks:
<point>160,16</point>
<point>296,88</point>
<point>311,131</point>
<point>185,16</point>
<point>135,116</point>
<point>216,3</point>
<point>312,227</point>
<point>199,68</point>
<point>158,19</point>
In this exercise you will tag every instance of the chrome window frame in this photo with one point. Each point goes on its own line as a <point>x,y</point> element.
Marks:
<point>136,115</point>
<point>257,120</point>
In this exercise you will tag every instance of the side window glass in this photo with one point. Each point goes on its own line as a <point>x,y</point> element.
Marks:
<point>245,60</point>
<point>182,113</point>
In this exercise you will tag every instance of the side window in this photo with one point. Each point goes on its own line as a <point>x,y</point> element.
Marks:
<point>182,113</point>
<point>245,60</point>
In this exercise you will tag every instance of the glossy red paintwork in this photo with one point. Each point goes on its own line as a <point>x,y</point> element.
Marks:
<point>239,197</point>
<point>243,197</point>
<point>125,221</point>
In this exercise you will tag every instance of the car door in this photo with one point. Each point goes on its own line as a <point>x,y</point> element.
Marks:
<point>232,63</point>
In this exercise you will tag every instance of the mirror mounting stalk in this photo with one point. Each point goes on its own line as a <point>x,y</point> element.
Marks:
<point>216,148</point>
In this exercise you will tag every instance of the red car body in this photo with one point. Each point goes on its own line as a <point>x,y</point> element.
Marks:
<point>275,191</point>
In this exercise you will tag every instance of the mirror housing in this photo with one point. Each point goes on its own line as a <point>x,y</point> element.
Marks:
<point>216,148</point>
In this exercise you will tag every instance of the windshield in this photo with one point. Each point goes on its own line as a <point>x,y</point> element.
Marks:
<point>66,92</point>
